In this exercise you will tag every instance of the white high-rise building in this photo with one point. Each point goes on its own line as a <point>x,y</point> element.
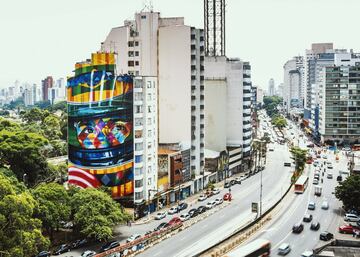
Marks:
<point>271,90</point>
<point>145,47</point>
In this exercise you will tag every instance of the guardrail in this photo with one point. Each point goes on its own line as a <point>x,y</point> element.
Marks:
<point>239,232</point>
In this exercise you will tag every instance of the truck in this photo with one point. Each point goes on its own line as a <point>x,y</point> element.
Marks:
<point>318,190</point>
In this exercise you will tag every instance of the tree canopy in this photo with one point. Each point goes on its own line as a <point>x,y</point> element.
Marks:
<point>279,121</point>
<point>348,192</point>
<point>271,104</point>
<point>299,155</point>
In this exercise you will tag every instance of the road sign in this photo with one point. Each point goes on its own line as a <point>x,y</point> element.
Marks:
<point>254,207</point>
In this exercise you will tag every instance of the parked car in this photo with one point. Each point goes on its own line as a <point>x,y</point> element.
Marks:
<point>210,205</point>
<point>173,210</point>
<point>232,182</point>
<point>133,238</point>
<point>329,175</point>
<point>202,197</point>
<point>346,229</point>
<point>174,221</point>
<point>325,205</point>
<point>315,181</point>
<point>161,226</point>
<point>62,249</point>
<point>182,206</point>
<point>193,212</point>
<point>227,185</point>
<point>227,197</point>
<point>298,228</point>
<point>109,245</point>
<point>160,215</point>
<point>201,209</point>
<point>307,218</point>
<point>326,236</point>
<point>307,254</point>
<point>209,193</point>
<point>79,243</point>
<point>311,206</point>
<point>339,178</point>
<point>351,217</point>
<point>185,217</point>
<point>243,177</point>
<point>315,226</point>
<point>43,254</point>
<point>284,249</point>
<point>216,191</point>
<point>88,253</point>
<point>219,201</point>
<point>238,180</point>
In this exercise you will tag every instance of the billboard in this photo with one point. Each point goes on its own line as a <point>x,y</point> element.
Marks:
<point>100,126</point>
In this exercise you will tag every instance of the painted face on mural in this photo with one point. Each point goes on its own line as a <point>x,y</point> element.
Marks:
<point>102,133</point>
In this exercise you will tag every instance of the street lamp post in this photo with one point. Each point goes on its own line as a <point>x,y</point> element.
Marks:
<point>261,184</point>
<point>24,178</point>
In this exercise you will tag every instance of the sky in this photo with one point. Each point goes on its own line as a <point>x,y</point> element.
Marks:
<point>46,37</point>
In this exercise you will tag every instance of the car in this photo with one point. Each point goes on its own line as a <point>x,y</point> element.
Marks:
<point>271,149</point>
<point>346,229</point>
<point>315,181</point>
<point>210,205</point>
<point>88,253</point>
<point>209,193</point>
<point>185,217</point>
<point>79,243</point>
<point>324,156</point>
<point>284,249</point>
<point>109,245</point>
<point>173,210</point>
<point>325,205</point>
<point>219,201</point>
<point>148,233</point>
<point>238,180</point>
<point>346,149</point>
<point>193,212</point>
<point>232,182</point>
<point>329,175</point>
<point>339,178</point>
<point>307,217</point>
<point>326,236</point>
<point>160,215</point>
<point>227,197</point>
<point>311,206</point>
<point>307,254</point>
<point>351,217</point>
<point>202,197</point>
<point>133,238</point>
<point>310,145</point>
<point>227,185</point>
<point>43,254</point>
<point>62,249</point>
<point>201,209</point>
<point>182,206</point>
<point>161,226</point>
<point>216,191</point>
<point>298,228</point>
<point>315,226</point>
<point>243,177</point>
<point>174,221</point>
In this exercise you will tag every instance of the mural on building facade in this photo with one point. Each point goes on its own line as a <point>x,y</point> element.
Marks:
<point>100,126</point>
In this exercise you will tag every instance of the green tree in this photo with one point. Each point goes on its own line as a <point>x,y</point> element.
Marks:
<point>20,233</point>
<point>54,206</point>
<point>271,104</point>
<point>96,213</point>
<point>348,192</point>
<point>51,127</point>
<point>279,122</point>
<point>299,155</point>
<point>8,125</point>
<point>32,116</point>
<point>21,152</point>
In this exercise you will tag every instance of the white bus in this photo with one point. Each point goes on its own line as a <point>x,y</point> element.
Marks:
<point>301,184</point>
<point>256,248</point>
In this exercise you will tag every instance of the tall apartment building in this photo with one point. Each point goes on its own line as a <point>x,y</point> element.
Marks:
<point>47,83</point>
<point>145,47</point>
<point>271,89</point>
<point>339,89</point>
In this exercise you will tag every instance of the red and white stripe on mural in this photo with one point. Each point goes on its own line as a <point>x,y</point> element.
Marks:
<point>82,178</point>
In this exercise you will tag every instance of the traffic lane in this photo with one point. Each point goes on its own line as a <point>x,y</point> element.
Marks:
<point>227,218</point>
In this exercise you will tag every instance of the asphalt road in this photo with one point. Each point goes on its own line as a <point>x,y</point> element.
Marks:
<point>280,230</point>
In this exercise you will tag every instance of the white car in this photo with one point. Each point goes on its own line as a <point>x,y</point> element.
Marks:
<point>160,215</point>
<point>351,217</point>
<point>184,217</point>
<point>325,205</point>
<point>216,191</point>
<point>173,210</point>
<point>202,197</point>
<point>88,254</point>
<point>219,201</point>
<point>307,254</point>
<point>210,205</point>
<point>133,238</point>
<point>284,249</point>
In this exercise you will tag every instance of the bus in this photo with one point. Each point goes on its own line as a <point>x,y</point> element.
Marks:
<point>301,184</point>
<point>256,248</point>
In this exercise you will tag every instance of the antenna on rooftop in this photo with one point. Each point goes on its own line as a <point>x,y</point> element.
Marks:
<point>148,6</point>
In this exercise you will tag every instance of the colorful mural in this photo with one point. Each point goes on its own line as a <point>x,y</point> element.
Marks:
<point>100,126</point>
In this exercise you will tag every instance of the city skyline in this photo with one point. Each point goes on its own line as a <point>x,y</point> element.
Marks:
<point>72,38</point>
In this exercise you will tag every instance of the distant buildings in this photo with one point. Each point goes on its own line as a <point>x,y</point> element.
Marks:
<point>271,89</point>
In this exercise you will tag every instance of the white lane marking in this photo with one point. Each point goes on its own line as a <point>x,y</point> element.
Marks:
<point>282,240</point>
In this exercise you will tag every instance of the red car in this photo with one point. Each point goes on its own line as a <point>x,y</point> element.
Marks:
<point>346,229</point>
<point>227,197</point>
<point>174,221</point>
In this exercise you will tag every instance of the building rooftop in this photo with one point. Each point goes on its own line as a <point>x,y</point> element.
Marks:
<point>164,151</point>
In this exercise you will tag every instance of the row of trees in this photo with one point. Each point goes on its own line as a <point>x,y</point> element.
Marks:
<point>271,104</point>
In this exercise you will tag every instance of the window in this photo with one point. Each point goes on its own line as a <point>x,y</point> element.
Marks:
<point>148,84</point>
<point>149,133</point>
<point>131,63</point>
<point>143,17</point>
<point>149,97</point>
<point>138,158</point>
<point>138,171</point>
<point>131,53</point>
<point>149,181</point>
<point>149,169</point>
<point>138,109</point>
<point>138,146</point>
<point>136,63</point>
<point>137,73</point>
<point>138,133</point>
<point>138,195</point>
<point>149,121</point>
<point>138,96</point>
<point>149,145</point>
<point>136,53</point>
<point>136,43</point>
<point>130,43</point>
<point>138,183</point>
<point>149,109</point>
<point>138,122</point>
